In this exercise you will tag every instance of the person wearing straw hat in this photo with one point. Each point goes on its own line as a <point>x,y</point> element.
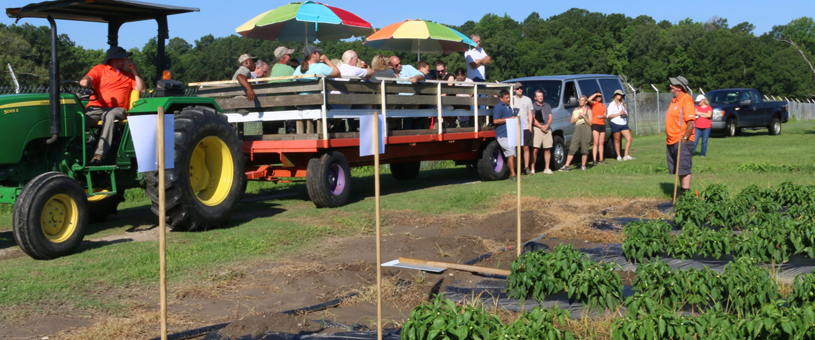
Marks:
<point>703,124</point>
<point>679,128</point>
<point>113,84</point>
<point>618,119</point>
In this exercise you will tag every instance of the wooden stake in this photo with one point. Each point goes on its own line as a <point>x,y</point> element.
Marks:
<point>378,235</point>
<point>162,245</point>
<point>518,179</point>
<point>464,267</point>
<point>678,154</point>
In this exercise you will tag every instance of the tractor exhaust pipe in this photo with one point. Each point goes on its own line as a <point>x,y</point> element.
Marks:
<point>53,84</point>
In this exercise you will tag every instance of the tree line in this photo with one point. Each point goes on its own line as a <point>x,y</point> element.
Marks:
<point>710,54</point>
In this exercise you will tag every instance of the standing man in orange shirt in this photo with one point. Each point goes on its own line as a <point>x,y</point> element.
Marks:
<point>679,121</point>
<point>113,84</point>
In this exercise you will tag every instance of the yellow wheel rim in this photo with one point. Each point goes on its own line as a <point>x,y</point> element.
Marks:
<point>211,172</point>
<point>97,198</point>
<point>59,218</point>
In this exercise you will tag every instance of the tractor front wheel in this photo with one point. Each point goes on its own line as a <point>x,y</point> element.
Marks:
<point>208,179</point>
<point>50,216</point>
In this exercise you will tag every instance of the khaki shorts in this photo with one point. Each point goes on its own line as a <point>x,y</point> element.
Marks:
<point>542,139</point>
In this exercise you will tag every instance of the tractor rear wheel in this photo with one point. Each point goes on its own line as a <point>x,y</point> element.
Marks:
<point>50,216</point>
<point>100,207</point>
<point>208,179</point>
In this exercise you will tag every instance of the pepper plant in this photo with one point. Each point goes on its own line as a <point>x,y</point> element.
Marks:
<point>542,273</point>
<point>645,240</point>
<point>689,211</point>
<point>748,286</point>
<point>441,319</point>
<point>539,324</point>
<point>598,286</point>
<point>803,293</point>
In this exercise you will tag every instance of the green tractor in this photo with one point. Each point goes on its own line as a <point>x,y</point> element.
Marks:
<point>47,146</point>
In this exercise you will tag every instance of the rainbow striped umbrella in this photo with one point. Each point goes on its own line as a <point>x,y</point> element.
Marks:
<point>419,36</point>
<point>307,21</point>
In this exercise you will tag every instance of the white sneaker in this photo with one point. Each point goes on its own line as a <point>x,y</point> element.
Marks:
<point>628,158</point>
<point>619,159</point>
<point>532,172</point>
<point>547,172</point>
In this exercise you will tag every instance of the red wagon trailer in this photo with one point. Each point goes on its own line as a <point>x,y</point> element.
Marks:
<point>324,158</point>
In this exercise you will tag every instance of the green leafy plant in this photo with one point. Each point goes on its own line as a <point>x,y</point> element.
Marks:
<point>803,293</point>
<point>714,243</point>
<point>656,280</point>
<point>598,286</point>
<point>773,322</point>
<point>689,211</point>
<point>441,319</point>
<point>539,324</point>
<point>790,194</point>
<point>766,242</point>
<point>684,245</point>
<point>748,286</point>
<point>542,273</point>
<point>648,319</point>
<point>645,240</point>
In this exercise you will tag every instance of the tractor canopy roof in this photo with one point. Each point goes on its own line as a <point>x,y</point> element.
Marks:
<point>105,11</point>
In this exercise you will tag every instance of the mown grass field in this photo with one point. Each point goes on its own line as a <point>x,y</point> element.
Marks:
<point>281,222</point>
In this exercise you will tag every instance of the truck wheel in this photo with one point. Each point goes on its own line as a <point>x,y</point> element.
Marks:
<point>558,153</point>
<point>328,179</point>
<point>50,216</point>
<point>406,170</point>
<point>731,128</point>
<point>208,179</point>
<point>100,207</point>
<point>775,127</point>
<point>492,165</point>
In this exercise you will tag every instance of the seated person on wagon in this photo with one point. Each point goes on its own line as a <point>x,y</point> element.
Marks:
<point>113,85</point>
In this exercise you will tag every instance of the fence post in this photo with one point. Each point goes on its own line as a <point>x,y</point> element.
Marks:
<point>655,89</point>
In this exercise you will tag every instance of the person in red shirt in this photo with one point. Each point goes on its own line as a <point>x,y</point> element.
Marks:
<point>113,84</point>
<point>598,126</point>
<point>679,122</point>
<point>702,126</point>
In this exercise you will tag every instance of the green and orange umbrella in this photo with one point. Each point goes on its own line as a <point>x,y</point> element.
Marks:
<point>308,20</point>
<point>418,36</point>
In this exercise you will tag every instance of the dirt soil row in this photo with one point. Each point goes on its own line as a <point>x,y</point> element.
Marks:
<point>252,295</point>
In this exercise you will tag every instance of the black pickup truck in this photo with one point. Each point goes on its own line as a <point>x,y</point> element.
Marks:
<point>735,110</point>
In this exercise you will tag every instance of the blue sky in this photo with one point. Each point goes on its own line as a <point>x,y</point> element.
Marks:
<point>221,17</point>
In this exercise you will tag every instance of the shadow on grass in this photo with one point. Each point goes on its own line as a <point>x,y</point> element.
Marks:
<point>90,245</point>
<point>363,186</point>
<point>667,189</point>
<point>7,239</point>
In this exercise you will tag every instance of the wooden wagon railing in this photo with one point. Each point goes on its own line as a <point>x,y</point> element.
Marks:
<point>325,98</point>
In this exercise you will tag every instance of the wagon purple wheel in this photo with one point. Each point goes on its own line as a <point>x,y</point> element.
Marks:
<point>497,160</point>
<point>336,179</point>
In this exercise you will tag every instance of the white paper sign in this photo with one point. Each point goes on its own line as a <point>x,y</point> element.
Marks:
<point>512,133</point>
<point>366,135</point>
<point>143,129</point>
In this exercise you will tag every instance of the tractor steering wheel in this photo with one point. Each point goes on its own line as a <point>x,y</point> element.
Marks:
<point>81,93</point>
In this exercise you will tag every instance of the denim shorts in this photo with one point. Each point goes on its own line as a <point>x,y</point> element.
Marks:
<point>615,128</point>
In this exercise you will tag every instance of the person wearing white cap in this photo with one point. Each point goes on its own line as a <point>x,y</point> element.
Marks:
<point>618,116</point>
<point>703,125</point>
<point>244,73</point>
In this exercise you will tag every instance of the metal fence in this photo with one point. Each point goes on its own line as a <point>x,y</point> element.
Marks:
<point>647,111</point>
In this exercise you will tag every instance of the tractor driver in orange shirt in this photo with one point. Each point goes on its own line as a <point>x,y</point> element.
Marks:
<point>113,81</point>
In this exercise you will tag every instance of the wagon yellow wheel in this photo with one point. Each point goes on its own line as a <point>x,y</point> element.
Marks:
<point>207,180</point>
<point>50,216</point>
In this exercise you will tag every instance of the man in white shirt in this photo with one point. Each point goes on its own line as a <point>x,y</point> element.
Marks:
<point>349,68</point>
<point>476,59</point>
<point>523,109</point>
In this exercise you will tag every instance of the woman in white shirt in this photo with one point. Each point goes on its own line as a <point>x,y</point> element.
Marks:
<point>618,114</point>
